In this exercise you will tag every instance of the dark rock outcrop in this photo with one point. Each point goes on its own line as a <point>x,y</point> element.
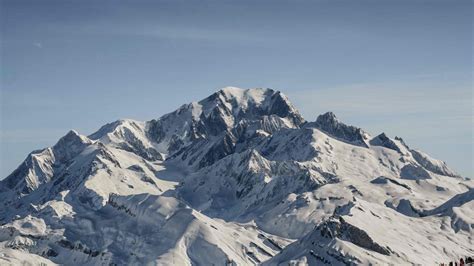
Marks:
<point>329,124</point>
<point>345,231</point>
<point>384,141</point>
<point>414,172</point>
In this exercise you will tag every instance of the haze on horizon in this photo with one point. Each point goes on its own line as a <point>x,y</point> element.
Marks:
<point>400,67</point>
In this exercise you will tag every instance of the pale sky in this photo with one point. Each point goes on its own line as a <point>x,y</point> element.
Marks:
<point>402,67</point>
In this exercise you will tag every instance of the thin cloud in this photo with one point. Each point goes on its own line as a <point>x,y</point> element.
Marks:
<point>163,31</point>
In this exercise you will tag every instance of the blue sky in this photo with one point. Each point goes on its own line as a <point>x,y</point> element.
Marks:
<point>402,67</point>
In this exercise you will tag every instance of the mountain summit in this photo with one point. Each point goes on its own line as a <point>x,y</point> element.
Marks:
<point>238,178</point>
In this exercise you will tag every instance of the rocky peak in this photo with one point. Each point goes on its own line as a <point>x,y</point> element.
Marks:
<point>69,146</point>
<point>72,137</point>
<point>113,127</point>
<point>330,124</point>
<point>251,104</point>
<point>384,141</point>
<point>328,117</point>
<point>39,167</point>
<point>225,110</point>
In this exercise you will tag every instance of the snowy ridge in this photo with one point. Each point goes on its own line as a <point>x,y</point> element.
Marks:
<point>238,178</point>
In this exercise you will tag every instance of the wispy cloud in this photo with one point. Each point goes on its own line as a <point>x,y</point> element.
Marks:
<point>195,33</point>
<point>152,29</point>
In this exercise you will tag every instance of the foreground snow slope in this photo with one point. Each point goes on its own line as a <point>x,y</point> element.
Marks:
<point>238,178</point>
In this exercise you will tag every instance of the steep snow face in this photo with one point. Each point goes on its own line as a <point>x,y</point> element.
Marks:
<point>130,136</point>
<point>40,166</point>
<point>238,178</point>
<point>433,165</point>
<point>246,183</point>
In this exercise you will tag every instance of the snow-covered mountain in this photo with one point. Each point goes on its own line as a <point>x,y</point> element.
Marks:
<point>238,178</point>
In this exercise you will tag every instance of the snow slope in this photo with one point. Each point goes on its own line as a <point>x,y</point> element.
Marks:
<point>238,178</point>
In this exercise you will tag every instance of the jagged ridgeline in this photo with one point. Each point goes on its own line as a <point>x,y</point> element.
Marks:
<point>238,178</point>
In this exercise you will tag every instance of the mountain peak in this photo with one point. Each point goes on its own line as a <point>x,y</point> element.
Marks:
<point>330,124</point>
<point>239,91</point>
<point>243,97</point>
<point>72,137</point>
<point>328,116</point>
<point>70,145</point>
<point>72,132</point>
<point>236,90</point>
<point>383,140</point>
<point>230,109</point>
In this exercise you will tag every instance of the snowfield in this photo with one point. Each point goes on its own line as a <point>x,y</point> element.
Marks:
<point>238,178</point>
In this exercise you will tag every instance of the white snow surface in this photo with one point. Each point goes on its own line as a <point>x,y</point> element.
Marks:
<point>238,178</point>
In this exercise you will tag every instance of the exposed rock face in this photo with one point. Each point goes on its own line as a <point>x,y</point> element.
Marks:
<point>386,180</point>
<point>223,122</point>
<point>69,146</point>
<point>329,123</point>
<point>341,229</point>
<point>384,141</point>
<point>405,207</point>
<point>414,172</point>
<point>222,111</point>
<point>219,150</point>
